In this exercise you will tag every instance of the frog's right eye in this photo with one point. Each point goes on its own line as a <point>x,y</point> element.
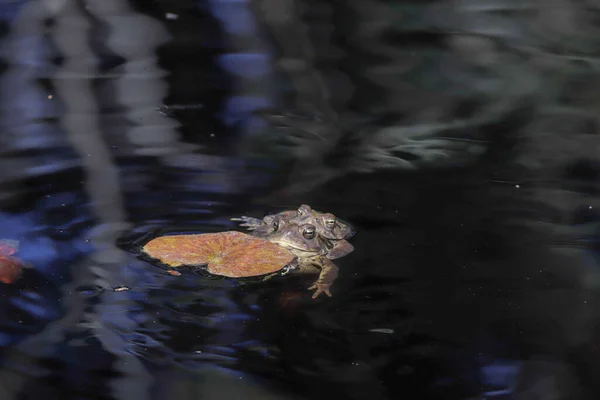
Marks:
<point>309,232</point>
<point>275,225</point>
<point>330,223</point>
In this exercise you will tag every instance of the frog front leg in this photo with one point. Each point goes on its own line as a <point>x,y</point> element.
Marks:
<point>340,249</point>
<point>259,227</point>
<point>329,273</point>
<point>248,222</point>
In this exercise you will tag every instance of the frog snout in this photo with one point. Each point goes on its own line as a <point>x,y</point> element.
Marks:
<point>352,232</point>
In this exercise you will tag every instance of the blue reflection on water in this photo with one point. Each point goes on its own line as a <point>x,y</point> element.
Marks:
<point>10,9</point>
<point>246,64</point>
<point>240,108</point>
<point>42,243</point>
<point>502,375</point>
<point>235,15</point>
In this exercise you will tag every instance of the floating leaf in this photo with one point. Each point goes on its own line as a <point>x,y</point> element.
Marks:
<point>231,254</point>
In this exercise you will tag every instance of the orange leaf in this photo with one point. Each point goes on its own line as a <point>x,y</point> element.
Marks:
<point>231,254</point>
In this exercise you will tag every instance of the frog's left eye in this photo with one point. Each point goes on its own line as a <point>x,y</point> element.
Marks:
<point>309,232</point>
<point>275,225</point>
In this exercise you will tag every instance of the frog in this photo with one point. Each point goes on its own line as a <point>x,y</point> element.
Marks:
<point>309,248</point>
<point>327,226</point>
<point>311,236</point>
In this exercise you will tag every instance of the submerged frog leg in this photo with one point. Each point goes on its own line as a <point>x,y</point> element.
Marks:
<point>329,273</point>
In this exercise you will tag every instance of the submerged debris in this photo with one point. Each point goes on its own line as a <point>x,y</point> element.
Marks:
<point>231,254</point>
<point>382,330</point>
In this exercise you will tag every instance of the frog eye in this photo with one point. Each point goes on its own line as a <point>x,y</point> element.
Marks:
<point>309,232</point>
<point>275,225</point>
<point>330,223</point>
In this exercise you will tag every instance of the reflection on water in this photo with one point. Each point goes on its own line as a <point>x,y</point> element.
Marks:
<point>459,139</point>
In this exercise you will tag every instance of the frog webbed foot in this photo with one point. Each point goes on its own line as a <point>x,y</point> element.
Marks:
<point>321,288</point>
<point>248,222</point>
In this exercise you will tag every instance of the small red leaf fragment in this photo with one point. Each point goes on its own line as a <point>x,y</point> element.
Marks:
<point>10,269</point>
<point>8,247</point>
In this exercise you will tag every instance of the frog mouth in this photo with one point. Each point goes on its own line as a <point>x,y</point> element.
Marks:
<point>298,249</point>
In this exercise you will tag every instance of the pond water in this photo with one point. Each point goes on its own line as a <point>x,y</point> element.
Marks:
<point>458,138</point>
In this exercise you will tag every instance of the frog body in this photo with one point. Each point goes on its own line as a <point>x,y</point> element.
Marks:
<point>315,238</point>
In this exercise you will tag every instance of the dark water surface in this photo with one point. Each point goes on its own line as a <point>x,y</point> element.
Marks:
<point>459,138</point>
